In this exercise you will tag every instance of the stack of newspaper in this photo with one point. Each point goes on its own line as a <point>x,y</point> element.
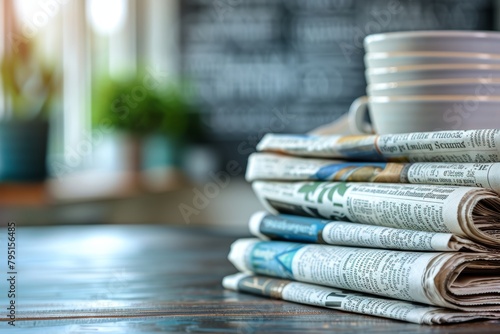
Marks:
<point>401,226</point>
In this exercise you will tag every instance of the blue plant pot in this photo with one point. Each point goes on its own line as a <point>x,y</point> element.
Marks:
<point>23,150</point>
<point>161,151</point>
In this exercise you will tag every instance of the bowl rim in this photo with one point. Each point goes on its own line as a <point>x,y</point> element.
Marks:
<point>432,82</point>
<point>433,98</point>
<point>374,38</point>
<point>430,54</point>
<point>431,67</point>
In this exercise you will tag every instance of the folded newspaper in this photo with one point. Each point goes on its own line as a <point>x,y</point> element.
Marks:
<point>470,212</point>
<point>463,281</point>
<point>350,301</point>
<point>270,166</point>
<point>440,146</point>
<point>312,230</point>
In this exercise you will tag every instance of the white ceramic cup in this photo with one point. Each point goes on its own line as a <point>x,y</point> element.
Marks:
<point>445,41</point>
<point>390,59</point>
<point>483,86</point>
<point>430,72</point>
<point>403,114</point>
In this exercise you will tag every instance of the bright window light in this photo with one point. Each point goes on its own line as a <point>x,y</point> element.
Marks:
<point>25,10</point>
<point>106,16</point>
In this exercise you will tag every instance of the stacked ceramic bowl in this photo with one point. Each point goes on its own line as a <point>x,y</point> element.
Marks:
<point>430,80</point>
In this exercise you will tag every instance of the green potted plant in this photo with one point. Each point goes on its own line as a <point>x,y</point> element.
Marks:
<point>150,112</point>
<point>28,89</point>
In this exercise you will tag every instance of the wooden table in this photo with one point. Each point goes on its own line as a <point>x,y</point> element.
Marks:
<point>154,279</point>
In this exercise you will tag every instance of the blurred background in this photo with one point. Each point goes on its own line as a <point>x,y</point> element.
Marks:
<point>145,111</point>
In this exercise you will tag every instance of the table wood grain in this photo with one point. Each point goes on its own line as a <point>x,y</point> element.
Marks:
<point>156,279</point>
